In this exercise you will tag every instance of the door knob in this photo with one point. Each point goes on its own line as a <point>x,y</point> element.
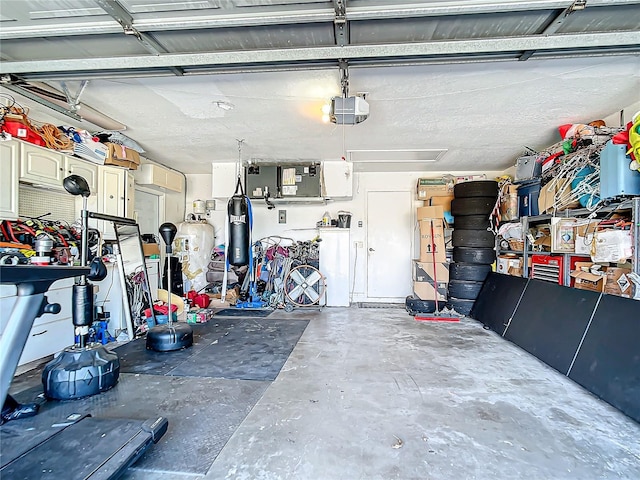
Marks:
<point>372,249</point>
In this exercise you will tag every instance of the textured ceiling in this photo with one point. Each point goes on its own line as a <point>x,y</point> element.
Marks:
<point>437,74</point>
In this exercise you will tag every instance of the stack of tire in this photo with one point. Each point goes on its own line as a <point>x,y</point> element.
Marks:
<point>473,242</point>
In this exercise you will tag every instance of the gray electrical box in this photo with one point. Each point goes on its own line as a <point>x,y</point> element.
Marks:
<point>284,181</point>
<point>261,179</point>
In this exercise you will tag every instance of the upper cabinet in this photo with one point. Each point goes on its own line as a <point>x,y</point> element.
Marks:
<point>9,166</point>
<point>153,175</point>
<point>75,166</point>
<point>337,179</point>
<point>41,165</point>
<point>115,197</point>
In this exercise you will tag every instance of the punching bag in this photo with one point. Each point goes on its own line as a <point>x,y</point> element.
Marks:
<point>238,228</point>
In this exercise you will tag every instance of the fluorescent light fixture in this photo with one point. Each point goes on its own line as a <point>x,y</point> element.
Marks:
<point>394,160</point>
<point>397,155</point>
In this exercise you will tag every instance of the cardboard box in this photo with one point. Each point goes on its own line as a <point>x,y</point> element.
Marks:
<point>426,291</point>
<point>563,235</point>
<point>423,280</point>
<point>430,212</point>
<point>122,156</point>
<point>150,249</point>
<point>585,279</point>
<point>432,246</point>
<point>557,188</point>
<point>612,246</point>
<point>424,272</point>
<point>433,187</point>
<point>617,282</point>
<point>509,265</point>
<point>444,202</point>
<point>95,152</point>
<point>584,235</point>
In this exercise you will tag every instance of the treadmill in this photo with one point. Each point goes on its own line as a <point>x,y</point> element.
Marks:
<point>78,446</point>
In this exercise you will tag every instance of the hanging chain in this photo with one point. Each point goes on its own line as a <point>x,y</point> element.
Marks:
<point>239,168</point>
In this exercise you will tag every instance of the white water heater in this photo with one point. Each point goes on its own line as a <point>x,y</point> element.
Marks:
<point>193,245</point>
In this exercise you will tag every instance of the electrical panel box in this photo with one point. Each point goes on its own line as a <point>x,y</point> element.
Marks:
<point>287,181</point>
<point>261,180</point>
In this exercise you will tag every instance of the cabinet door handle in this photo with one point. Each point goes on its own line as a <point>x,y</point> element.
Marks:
<point>41,333</point>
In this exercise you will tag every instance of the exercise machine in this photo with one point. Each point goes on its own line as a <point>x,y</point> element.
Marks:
<point>77,446</point>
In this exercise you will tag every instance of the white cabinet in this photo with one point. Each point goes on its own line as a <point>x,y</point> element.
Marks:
<point>9,160</point>
<point>116,196</point>
<point>224,177</point>
<point>89,171</point>
<point>41,166</point>
<point>335,264</point>
<point>49,333</point>
<point>337,179</point>
<point>158,176</point>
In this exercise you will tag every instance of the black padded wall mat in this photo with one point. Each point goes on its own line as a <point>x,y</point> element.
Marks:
<point>497,300</point>
<point>550,321</point>
<point>608,363</point>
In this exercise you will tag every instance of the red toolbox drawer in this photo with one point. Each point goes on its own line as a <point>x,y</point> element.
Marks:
<point>547,267</point>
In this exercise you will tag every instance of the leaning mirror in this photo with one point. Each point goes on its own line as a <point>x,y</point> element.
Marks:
<point>134,277</point>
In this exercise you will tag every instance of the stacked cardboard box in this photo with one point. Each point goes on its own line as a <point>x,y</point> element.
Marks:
<point>426,277</point>
<point>509,265</point>
<point>617,281</point>
<point>122,156</point>
<point>434,187</point>
<point>431,268</point>
<point>588,276</point>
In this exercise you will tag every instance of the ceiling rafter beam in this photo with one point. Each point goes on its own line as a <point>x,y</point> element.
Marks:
<point>348,52</point>
<point>340,23</point>
<point>555,25</point>
<point>71,113</point>
<point>274,16</point>
<point>125,20</point>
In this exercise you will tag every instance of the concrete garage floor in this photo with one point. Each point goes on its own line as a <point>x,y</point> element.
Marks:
<point>372,394</point>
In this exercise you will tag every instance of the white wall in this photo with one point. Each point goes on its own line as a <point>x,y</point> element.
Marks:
<point>301,219</point>
<point>622,118</point>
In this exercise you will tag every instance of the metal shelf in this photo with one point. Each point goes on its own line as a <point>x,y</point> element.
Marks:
<point>632,204</point>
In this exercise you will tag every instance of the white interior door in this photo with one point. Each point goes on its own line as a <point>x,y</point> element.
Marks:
<point>389,245</point>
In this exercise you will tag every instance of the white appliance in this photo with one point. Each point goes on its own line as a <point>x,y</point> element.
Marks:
<point>335,264</point>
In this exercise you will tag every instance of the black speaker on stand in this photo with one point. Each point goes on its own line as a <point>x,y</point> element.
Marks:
<point>170,336</point>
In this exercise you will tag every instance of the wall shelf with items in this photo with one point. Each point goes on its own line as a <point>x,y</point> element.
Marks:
<point>539,264</point>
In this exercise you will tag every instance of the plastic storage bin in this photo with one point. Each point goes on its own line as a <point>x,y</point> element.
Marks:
<point>161,319</point>
<point>616,178</point>
<point>528,194</point>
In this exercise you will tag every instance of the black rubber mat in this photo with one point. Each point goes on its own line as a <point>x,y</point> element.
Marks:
<point>235,348</point>
<point>497,300</point>
<point>253,350</point>
<point>550,321</point>
<point>608,363</point>
<point>203,413</point>
<point>243,312</point>
<point>135,358</point>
